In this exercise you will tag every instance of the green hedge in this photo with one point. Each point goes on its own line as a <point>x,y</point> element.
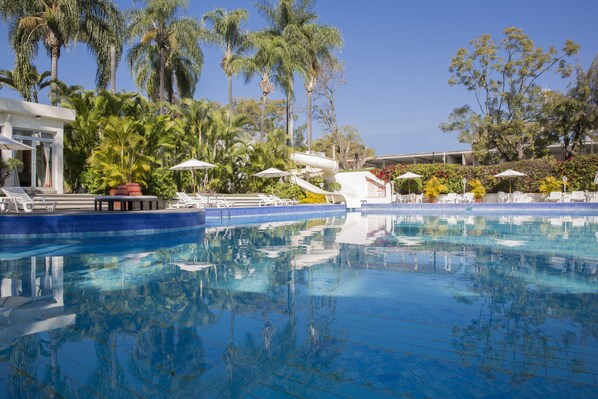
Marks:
<point>580,172</point>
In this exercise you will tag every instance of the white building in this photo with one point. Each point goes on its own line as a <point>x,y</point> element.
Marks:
<point>41,127</point>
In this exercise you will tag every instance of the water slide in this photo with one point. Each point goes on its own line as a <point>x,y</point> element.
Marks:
<point>356,187</point>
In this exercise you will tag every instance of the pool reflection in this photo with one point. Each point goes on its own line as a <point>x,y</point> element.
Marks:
<point>361,306</point>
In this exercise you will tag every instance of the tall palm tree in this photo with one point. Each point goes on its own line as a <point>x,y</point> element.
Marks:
<point>109,49</point>
<point>271,53</point>
<point>166,43</point>
<point>287,19</point>
<point>56,24</point>
<point>228,34</point>
<point>318,43</point>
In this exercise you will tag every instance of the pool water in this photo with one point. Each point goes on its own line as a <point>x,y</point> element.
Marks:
<point>361,306</point>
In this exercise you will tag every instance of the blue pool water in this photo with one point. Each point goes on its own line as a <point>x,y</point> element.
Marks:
<point>376,306</point>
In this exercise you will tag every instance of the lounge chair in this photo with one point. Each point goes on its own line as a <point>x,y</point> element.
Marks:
<point>285,201</point>
<point>468,198</point>
<point>20,199</point>
<point>578,196</point>
<point>266,200</point>
<point>502,196</point>
<point>221,202</point>
<point>450,198</point>
<point>185,201</point>
<point>555,196</point>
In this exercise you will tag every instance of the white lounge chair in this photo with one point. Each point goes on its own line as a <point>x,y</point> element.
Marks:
<point>221,202</point>
<point>555,196</point>
<point>450,198</point>
<point>502,196</point>
<point>578,196</point>
<point>285,201</point>
<point>266,200</point>
<point>468,198</point>
<point>185,201</point>
<point>20,199</point>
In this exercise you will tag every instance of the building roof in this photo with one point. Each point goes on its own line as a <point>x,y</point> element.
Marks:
<point>25,108</point>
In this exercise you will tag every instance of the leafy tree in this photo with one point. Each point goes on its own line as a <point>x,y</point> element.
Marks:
<point>228,34</point>
<point>503,78</point>
<point>56,24</point>
<point>270,114</point>
<point>347,144</point>
<point>167,53</point>
<point>571,117</point>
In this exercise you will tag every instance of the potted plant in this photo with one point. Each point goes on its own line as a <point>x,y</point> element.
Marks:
<point>433,188</point>
<point>478,190</point>
<point>550,184</point>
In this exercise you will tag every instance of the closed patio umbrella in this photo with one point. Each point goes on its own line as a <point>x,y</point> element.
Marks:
<point>510,173</point>
<point>192,165</point>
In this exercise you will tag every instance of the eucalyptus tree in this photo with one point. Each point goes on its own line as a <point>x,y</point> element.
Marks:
<point>166,44</point>
<point>57,24</point>
<point>318,43</point>
<point>228,34</point>
<point>287,19</point>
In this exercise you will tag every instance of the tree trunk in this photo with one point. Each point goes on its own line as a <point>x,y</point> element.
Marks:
<point>161,89</point>
<point>113,68</point>
<point>54,74</point>
<point>290,127</point>
<point>263,118</point>
<point>230,92</point>
<point>309,105</point>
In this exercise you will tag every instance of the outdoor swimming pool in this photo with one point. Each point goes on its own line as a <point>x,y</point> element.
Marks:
<point>358,306</point>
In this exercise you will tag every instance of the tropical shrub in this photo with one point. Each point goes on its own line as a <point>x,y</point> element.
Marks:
<point>312,198</point>
<point>477,188</point>
<point>550,184</point>
<point>7,167</point>
<point>433,188</point>
<point>334,186</point>
<point>161,183</point>
<point>286,190</point>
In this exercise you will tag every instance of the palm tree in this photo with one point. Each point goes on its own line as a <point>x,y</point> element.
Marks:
<point>56,24</point>
<point>319,41</point>
<point>227,33</point>
<point>31,84</point>
<point>287,19</point>
<point>167,44</point>
<point>109,49</point>
<point>271,52</point>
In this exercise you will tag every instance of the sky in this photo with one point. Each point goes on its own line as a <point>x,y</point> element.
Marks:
<point>396,55</point>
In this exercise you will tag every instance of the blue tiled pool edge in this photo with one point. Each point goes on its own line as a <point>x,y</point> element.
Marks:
<point>99,223</point>
<point>150,222</point>
<point>216,216</point>
<point>545,208</point>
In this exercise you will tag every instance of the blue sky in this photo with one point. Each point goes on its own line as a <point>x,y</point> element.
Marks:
<point>396,57</point>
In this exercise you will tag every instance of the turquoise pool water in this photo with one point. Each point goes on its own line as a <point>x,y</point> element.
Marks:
<point>377,306</point>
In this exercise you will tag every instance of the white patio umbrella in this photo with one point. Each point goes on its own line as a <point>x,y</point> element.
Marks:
<point>272,172</point>
<point>596,178</point>
<point>192,165</point>
<point>409,175</point>
<point>12,145</point>
<point>510,173</point>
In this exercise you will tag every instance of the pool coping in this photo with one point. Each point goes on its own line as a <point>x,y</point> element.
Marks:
<point>105,224</point>
<point>538,208</point>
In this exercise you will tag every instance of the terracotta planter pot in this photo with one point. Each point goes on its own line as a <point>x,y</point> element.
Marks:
<point>122,190</point>
<point>112,191</point>
<point>134,189</point>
